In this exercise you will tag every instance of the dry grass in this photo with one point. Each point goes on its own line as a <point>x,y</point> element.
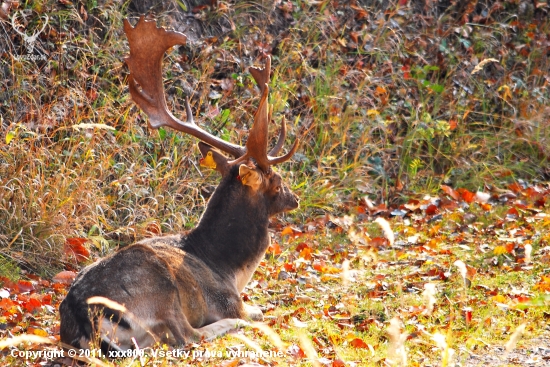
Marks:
<point>387,120</point>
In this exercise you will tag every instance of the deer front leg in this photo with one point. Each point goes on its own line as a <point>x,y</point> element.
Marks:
<point>220,327</point>
<point>253,312</point>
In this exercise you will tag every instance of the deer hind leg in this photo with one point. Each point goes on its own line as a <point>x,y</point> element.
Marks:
<point>145,327</point>
<point>180,329</point>
<point>117,336</point>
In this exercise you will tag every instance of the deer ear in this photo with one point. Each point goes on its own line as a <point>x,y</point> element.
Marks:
<point>211,158</point>
<point>250,176</point>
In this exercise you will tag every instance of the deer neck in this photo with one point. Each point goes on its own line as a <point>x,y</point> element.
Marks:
<point>233,231</point>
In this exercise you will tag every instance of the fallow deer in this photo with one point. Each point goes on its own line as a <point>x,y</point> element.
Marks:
<point>183,288</point>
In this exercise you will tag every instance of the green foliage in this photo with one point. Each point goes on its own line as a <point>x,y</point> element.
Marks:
<point>9,268</point>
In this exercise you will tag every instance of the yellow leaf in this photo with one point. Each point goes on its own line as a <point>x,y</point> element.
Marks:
<point>499,298</point>
<point>332,270</point>
<point>334,119</point>
<point>373,113</point>
<point>9,136</point>
<point>37,331</point>
<point>350,336</point>
<point>500,250</point>
<point>506,94</point>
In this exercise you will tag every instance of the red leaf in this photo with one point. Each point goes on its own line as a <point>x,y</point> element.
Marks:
<point>46,299</point>
<point>468,315</point>
<point>64,277</point>
<point>453,124</point>
<point>512,213</point>
<point>358,343</point>
<point>6,304</point>
<point>379,242</point>
<point>7,283</point>
<point>289,267</point>
<point>32,304</point>
<point>450,191</point>
<point>75,247</point>
<point>319,265</point>
<point>533,193</point>
<point>25,286</point>
<point>515,187</point>
<point>466,195</point>
<point>523,299</point>
<point>301,247</point>
<point>431,210</point>
<point>539,203</point>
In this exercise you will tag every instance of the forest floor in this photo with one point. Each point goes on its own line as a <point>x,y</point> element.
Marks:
<point>423,234</point>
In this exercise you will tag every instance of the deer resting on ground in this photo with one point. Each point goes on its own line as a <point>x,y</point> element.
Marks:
<point>183,288</point>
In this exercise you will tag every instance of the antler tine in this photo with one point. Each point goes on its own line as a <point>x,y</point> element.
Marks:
<point>148,43</point>
<point>256,144</point>
<point>15,27</point>
<point>280,141</point>
<point>43,26</point>
<point>261,76</point>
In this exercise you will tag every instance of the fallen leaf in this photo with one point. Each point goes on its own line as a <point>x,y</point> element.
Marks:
<point>37,331</point>
<point>25,286</point>
<point>64,277</point>
<point>359,343</point>
<point>450,191</point>
<point>75,247</point>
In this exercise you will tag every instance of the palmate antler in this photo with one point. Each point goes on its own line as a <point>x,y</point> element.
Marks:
<point>148,43</point>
